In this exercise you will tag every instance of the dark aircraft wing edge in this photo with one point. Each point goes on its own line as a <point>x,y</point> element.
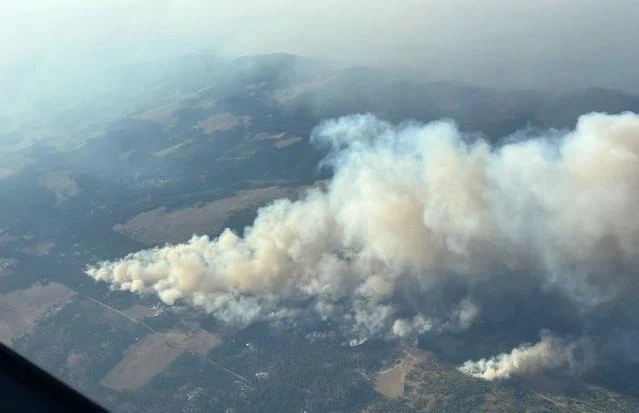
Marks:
<point>26,388</point>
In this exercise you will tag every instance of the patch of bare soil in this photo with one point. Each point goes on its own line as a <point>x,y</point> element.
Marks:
<point>159,226</point>
<point>222,122</point>
<point>60,184</point>
<point>163,114</point>
<point>151,355</point>
<point>391,380</point>
<point>21,310</point>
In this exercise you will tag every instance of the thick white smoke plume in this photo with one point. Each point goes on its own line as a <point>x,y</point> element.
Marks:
<point>415,205</point>
<point>548,354</point>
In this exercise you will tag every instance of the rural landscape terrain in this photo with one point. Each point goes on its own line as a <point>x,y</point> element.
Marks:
<point>199,144</point>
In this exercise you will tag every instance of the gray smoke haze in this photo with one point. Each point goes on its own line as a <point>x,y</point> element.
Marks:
<point>548,354</point>
<point>496,42</point>
<point>414,207</point>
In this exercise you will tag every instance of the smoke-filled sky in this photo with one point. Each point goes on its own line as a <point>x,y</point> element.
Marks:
<point>414,210</point>
<point>497,42</point>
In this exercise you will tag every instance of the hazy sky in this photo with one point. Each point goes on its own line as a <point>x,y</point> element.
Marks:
<point>507,42</point>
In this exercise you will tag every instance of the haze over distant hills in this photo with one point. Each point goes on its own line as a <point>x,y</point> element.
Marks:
<point>545,44</point>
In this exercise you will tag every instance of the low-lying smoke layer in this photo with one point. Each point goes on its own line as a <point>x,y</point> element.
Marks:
<point>549,353</point>
<point>417,205</point>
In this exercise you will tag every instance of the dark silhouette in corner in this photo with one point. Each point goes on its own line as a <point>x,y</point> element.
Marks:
<point>26,388</point>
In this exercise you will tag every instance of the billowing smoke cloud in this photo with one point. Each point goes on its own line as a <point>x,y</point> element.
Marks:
<point>409,209</point>
<point>548,354</point>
